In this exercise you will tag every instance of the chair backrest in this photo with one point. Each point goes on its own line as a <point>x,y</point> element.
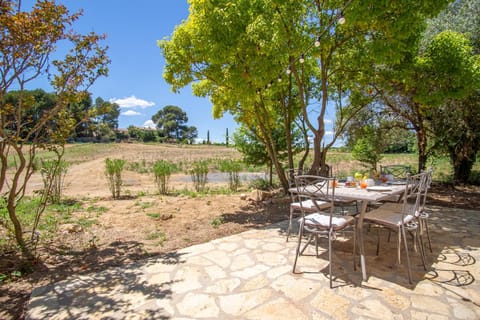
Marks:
<point>316,189</point>
<point>398,171</point>
<point>426,186</point>
<point>414,190</point>
<point>291,174</point>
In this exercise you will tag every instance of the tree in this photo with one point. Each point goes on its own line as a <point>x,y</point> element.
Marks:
<point>451,87</point>
<point>171,123</point>
<point>252,149</point>
<point>190,134</point>
<point>455,128</point>
<point>447,71</point>
<point>27,43</point>
<point>368,148</point>
<point>237,54</point>
<point>79,110</point>
<point>457,133</point>
<point>109,113</point>
<point>41,103</point>
<point>462,16</point>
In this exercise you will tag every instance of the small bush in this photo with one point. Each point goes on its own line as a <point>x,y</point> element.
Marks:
<point>199,172</point>
<point>260,184</point>
<point>474,178</point>
<point>157,235</point>
<point>233,169</point>
<point>216,222</point>
<point>113,172</point>
<point>53,175</point>
<point>162,171</point>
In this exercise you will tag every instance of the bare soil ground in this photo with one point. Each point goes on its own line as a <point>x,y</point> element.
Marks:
<point>143,223</point>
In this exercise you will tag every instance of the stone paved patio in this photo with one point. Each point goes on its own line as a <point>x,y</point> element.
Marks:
<point>249,276</point>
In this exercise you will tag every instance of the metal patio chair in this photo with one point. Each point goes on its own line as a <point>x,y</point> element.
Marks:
<point>324,221</point>
<point>297,203</point>
<point>402,217</point>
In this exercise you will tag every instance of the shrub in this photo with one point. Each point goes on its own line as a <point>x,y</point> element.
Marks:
<point>260,184</point>
<point>53,175</point>
<point>474,178</point>
<point>233,169</point>
<point>216,222</point>
<point>199,172</point>
<point>113,172</point>
<point>162,171</point>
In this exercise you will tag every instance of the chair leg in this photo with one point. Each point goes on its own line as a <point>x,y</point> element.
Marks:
<point>425,221</point>
<point>297,252</point>
<point>308,242</point>
<point>399,245</point>
<point>354,245</point>
<point>378,240</point>
<point>422,249</point>
<point>330,256</point>
<point>290,223</point>
<point>403,234</point>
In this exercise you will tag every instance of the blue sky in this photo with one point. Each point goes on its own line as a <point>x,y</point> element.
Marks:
<point>135,78</point>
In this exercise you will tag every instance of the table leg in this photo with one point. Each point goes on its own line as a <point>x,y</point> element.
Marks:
<point>360,234</point>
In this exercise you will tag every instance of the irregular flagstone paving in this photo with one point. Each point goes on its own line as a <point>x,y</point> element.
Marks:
<point>249,276</point>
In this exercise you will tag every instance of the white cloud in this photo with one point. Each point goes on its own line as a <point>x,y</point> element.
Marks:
<point>131,113</point>
<point>328,121</point>
<point>149,124</point>
<point>132,102</point>
<point>329,133</point>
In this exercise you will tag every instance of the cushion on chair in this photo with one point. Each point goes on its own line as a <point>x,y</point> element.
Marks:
<point>322,220</point>
<point>397,207</point>
<point>308,204</point>
<point>383,216</point>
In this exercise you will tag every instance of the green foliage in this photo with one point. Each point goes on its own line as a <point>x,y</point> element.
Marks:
<point>162,171</point>
<point>260,184</point>
<point>461,16</point>
<point>28,41</point>
<point>144,204</point>
<point>474,177</point>
<point>53,175</point>
<point>171,124</point>
<point>368,149</point>
<point>449,68</point>
<point>198,172</point>
<point>217,221</point>
<point>143,134</point>
<point>252,149</point>
<point>113,172</point>
<point>97,209</point>
<point>233,168</point>
<point>86,222</point>
<point>138,166</point>
<point>157,235</point>
<point>234,52</point>
<point>54,215</point>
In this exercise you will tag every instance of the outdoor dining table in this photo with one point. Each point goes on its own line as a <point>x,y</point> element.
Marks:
<point>365,196</point>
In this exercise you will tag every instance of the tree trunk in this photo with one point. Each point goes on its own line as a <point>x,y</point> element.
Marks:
<point>270,173</point>
<point>270,146</point>
<point>462,166</point>
<point>301,162</point>
<point>319,164</point>
<point>422,149</point>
